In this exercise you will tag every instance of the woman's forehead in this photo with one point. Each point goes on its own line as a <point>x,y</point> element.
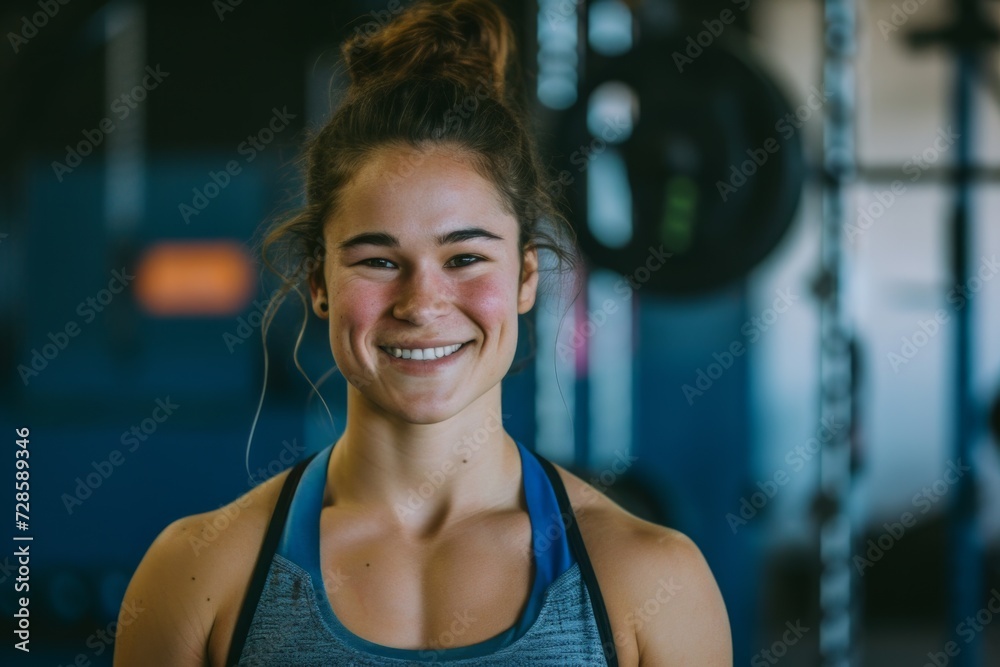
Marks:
<point>418,193</point>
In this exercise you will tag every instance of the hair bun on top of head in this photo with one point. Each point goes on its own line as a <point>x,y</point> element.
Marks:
<point>467,41</point>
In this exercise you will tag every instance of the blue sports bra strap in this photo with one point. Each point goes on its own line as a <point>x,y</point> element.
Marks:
<point>263,564</point>
<point>586,569</point>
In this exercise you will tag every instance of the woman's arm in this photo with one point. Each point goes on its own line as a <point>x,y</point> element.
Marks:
<point>167,613</point>
<point>688,624</point>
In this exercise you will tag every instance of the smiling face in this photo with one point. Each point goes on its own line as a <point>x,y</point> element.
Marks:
<point>416,265</point>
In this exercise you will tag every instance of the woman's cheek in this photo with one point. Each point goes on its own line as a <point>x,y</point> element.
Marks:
<point>358,302</point>
<point>355,312</point>
<point>489,296</point>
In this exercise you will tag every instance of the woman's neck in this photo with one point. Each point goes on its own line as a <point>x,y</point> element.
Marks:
<point>425,477</point>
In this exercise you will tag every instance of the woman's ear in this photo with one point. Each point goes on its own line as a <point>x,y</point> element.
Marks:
<point>317,292</point>
<point>529,281</point>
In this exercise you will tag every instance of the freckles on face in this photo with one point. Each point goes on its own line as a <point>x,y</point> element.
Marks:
<point>428,257</point>
<point>356,308</point>
<point>488,300</point>
<point>486,306</point>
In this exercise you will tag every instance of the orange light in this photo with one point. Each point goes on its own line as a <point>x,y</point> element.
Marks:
<point>195,278</point>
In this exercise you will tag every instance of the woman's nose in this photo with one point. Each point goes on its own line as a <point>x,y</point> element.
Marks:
<point>422,297</point>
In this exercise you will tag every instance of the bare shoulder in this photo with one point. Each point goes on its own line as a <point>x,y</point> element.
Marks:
<point>663,602</point>
<point>191,582</point>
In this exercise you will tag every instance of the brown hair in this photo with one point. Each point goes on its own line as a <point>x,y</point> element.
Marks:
<point>441,73</point>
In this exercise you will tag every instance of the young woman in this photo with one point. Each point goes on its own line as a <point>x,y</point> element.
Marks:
<point>426,533</point>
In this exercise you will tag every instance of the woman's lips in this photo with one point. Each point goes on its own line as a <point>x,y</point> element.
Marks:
<point>424,352</point>
<point>417,365</point>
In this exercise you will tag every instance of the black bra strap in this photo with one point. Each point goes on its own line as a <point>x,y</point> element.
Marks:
<point>271,538</point>
<point>586,569</point>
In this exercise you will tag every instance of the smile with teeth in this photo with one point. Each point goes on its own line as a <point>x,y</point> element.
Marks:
<point>428,354</point>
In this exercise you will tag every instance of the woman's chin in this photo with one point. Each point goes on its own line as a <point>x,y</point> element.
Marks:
<point>425,415</point>
<point>415,409</point>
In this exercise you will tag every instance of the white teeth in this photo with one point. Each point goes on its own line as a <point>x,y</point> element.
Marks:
<point>425,354</point>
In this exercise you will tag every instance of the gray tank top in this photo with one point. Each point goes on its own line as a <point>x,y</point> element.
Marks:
<point>287,619</point>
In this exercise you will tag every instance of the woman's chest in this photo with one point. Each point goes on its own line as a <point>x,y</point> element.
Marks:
<point>456,590</point>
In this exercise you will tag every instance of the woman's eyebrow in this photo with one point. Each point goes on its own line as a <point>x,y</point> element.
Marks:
<point>388,240</point>
<point>370,238</point>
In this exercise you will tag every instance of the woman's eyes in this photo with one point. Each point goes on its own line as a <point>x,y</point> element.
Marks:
<point>456,262</point>
<point>475,259</point>
<point>372,262</point>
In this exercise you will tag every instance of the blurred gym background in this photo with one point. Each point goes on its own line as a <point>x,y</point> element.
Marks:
<point>790,321</point>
